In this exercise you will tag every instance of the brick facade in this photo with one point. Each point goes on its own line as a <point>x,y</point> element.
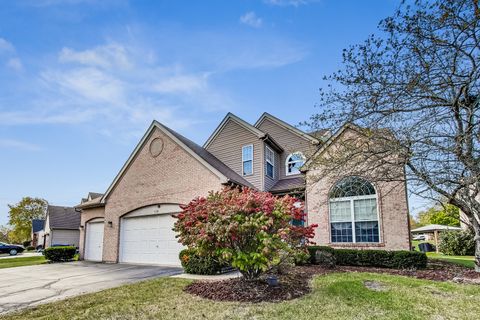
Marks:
<point>174,176</point>
<point>391,203</point>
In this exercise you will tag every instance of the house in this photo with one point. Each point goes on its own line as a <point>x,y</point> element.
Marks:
<point>62,226</point>
<point>37,232</point>
<point>132,222</point>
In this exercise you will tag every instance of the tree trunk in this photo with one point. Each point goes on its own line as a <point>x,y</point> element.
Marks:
<point>477,247</point>
<point>476,229</point>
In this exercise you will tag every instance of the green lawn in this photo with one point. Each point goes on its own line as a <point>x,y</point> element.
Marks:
<point>467,261</point>
<point>335,296</point>
<point>20,261</point>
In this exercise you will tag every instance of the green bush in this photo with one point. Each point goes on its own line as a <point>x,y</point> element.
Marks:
<point>194,263</point>
<point>369,258</point>
<point>59,254</point>
<point>457,243</point>
<point>29,248</point>
<point>381,258</point>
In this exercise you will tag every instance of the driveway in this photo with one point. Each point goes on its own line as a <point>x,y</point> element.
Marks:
<point>28,286</point>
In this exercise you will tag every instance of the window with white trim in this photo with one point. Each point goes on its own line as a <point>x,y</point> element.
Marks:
<point>269,162</point>
<point>353,211</point>
<point>247,160</point>
<point>293,163</point>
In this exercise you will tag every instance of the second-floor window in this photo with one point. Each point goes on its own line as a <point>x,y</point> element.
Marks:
<point>269,162</point>
<point>293,163</point>
<point>247,160</point>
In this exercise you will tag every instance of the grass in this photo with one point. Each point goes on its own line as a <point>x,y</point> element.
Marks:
<point>334,296</point>
<point>21,261</point>
<point>466,261</point>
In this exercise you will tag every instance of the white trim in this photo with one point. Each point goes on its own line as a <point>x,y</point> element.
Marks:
<point>161,209</point>
<point>287,126</point>
<point>156,124</point>
<point>272,163</point>
<point>243,161</point>
<point>241,122</point>
<point>287,162</point>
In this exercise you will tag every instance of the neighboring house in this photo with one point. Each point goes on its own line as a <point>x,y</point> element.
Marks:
<point>132,222</point>
<point>37,232</point>
<point>62,226</point>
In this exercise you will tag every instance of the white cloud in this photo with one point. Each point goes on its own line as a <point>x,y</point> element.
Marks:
<point>102,56</point>
<point>251,19</point>
<point>6,46</point>
<point>16,144</point>
<point>15,64</point>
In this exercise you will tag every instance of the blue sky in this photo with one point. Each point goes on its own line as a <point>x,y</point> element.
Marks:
<point>81,80</point>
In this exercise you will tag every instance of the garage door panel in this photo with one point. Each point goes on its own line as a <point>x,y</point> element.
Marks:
<point>94,241</point>
<point>149,239</point>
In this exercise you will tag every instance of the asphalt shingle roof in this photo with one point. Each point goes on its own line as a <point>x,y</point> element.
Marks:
<point>288,184</point>
<point>63,217</point>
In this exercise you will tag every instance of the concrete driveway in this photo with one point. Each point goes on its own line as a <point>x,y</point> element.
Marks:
<point>23,287</point>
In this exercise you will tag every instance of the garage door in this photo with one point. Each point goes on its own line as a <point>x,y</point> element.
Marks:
<point>94,241</point>
<point>65,237</point>
<point>149,240</point>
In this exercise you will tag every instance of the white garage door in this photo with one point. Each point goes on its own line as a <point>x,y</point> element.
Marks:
<point>150,240</point>
<point>94,241</point>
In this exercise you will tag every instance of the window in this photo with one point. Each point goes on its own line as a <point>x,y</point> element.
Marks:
<point>353,211</point>
<point>293,163</point>
<point>269,162</point>
<point>247,160</point>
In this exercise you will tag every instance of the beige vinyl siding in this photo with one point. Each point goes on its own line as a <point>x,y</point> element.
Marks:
<point>289,141</point>
<point>227,147</point>
<point>269,182</point>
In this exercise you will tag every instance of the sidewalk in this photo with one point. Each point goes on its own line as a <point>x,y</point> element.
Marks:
<point>20,255</point>
<point>225,276</point>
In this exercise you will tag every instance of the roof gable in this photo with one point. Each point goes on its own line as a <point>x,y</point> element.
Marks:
<point>328,143</point>
<point>224,173</point>
<point>286,126</point>
<point>231,117</point>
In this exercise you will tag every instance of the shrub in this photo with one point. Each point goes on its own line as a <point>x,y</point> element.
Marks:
<point>314,249</point>
<point>26,243</point>
<point>29,248</point>
<point>381,258</point>
<point>194,263</point>
<point>59,254</point>
<point>247,229</point>
<point>367,258</point>
<point>457,243</point>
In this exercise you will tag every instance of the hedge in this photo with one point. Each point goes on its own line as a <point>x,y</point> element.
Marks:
<point>376,258</point>
<point>457,243</point>
<point>59,254</point>
<point>195,264</point>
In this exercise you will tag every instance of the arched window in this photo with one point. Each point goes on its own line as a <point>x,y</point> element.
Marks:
<point>293,163</point>
<point>353,211</point>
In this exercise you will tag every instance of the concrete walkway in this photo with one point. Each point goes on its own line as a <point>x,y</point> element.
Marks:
<point>23,287</point>
<point>230,275</point>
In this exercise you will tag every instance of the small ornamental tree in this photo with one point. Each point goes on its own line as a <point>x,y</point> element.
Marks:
<point>250,230</point>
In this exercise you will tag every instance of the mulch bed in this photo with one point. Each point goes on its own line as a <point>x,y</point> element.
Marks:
<point>296,282</point>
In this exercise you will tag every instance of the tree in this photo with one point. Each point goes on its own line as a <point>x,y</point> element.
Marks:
<point>4,232</point>
<point>21,216</point>
<point>413,93</point>
<point>250,230</point>
<point>447,214</point>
